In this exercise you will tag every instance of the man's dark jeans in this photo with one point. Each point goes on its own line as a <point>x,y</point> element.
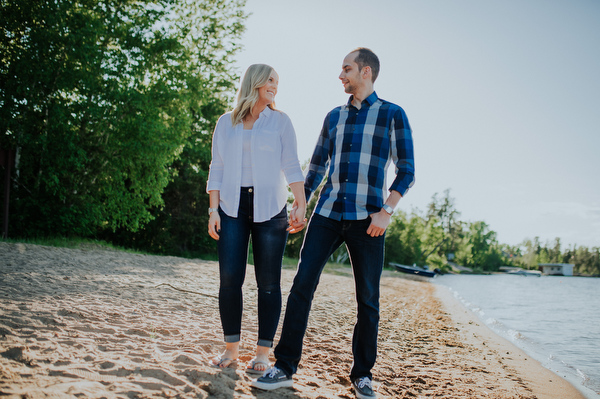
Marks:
<point>324,236</point>
<point>268,243</point>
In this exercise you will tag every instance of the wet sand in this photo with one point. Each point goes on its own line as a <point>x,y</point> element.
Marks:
<point>96,323</point>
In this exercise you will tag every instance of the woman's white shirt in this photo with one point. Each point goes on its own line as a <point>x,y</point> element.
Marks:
<point>274,161</point>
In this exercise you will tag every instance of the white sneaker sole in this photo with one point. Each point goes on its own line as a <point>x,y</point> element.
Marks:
<point>361,396</point>
<point>273,385</point>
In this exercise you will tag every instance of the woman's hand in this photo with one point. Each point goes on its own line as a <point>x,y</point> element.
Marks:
<point>214,225</point>
<point>297,218</point>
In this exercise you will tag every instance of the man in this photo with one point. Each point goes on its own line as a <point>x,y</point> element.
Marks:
<point>355,147</point>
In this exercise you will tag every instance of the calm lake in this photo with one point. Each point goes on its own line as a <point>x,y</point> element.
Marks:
<point>556,320</point>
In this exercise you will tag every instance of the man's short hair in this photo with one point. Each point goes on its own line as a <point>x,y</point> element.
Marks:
<point>366,57</point>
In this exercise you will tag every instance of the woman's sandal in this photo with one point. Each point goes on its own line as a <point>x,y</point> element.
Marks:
<point>222,362</point>
<point>250,368</point>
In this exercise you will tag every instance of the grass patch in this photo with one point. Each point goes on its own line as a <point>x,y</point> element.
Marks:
<point>72,243</point>
<point>341,269</point>
<point>289,263</point>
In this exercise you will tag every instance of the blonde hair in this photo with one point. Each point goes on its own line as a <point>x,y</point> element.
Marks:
<point>256,76</point>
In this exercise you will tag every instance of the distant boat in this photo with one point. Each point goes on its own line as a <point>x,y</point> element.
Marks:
<point>521,272</point>
<point>419,271</point>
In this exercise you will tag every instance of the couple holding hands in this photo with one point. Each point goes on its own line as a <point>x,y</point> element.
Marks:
<point>254,154</point>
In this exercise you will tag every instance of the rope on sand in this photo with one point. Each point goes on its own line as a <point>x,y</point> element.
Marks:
<point>190,292</point>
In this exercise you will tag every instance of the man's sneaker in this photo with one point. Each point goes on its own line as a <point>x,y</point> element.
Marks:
<point>273,378</point>
<point>363,388</point>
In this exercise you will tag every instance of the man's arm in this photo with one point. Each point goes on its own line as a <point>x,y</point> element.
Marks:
<point>319,161</point>
<point>401,144</point>
<point>402,152</point>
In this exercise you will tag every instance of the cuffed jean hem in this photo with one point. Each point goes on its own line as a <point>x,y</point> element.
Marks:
<point>232,338</point>
<point>265,342</point>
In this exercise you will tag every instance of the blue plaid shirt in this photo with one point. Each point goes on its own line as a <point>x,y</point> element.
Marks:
<point>355,148</point>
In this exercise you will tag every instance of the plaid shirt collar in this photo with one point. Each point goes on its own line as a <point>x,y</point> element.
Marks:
<point>370,100</point>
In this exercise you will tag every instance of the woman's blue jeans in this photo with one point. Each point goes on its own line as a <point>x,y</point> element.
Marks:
<point>323,237</point>
<point>268,243</point>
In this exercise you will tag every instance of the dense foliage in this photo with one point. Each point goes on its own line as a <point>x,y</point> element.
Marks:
<point>106,102</point>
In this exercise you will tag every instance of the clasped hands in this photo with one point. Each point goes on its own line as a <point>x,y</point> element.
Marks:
<point>297,219</point>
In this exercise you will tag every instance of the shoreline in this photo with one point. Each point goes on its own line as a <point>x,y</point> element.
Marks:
<point>100,323</point>
<point>544,382</point>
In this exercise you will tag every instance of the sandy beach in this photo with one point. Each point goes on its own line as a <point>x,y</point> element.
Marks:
<point>98,323</point>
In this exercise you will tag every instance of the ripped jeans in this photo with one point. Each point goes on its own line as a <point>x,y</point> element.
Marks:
<point>268,243</point>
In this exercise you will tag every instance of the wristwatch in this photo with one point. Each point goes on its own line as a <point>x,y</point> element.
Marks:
<point>388,209</point>
<point>211,210</point>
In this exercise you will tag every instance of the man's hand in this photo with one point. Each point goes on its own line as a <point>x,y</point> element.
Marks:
<point>379,222</point>
<point>297,220</point>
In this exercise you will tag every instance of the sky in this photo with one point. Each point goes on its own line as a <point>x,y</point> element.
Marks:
<point>503,98</point>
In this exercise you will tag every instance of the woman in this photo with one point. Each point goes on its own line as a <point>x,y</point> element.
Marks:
<point>253,154</point>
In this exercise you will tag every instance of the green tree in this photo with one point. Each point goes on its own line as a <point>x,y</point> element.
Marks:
<point>529,254</point>
<point>481,250</point>
<point>586,260</point>
<point>443,232</point>
<point>101,97</point>
<point>403,239</point>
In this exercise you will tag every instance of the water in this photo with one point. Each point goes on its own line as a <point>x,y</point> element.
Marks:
<point>556,320</point>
